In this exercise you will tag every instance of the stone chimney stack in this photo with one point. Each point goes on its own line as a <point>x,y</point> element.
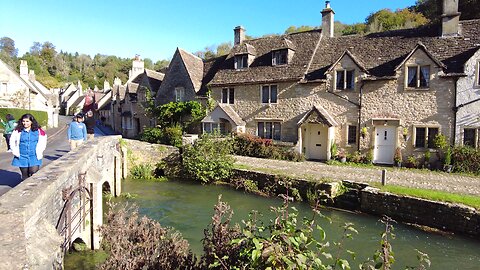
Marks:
<point>239,35</point>
<point>23,69</point>
<point>327,20</point>
<point>450,18</point>
<point>31,75</point>
<point>138,67</point>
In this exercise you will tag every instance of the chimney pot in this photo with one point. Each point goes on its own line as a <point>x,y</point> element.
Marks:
<point>327,20</point>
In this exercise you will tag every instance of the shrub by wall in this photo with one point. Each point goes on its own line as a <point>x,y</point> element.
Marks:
<point>466,159</point>
<point>168,135</point>
<point>253,146</point>
<point>40,116</point>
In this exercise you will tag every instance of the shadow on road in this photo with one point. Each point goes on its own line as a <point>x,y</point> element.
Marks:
<point>8,178</point>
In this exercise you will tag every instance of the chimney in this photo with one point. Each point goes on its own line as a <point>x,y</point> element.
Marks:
<point>23,69</point>
<point>31,75</point>
<point>450,18</point>
<point>239,35</point>
<point>327,20</point>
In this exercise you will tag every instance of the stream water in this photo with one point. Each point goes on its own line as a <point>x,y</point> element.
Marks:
<point>188,208</point>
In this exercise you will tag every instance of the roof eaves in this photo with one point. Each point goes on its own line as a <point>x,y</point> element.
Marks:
<point>421,46</point>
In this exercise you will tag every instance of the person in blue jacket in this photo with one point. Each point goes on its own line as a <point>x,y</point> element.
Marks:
<point>28,141</point>
<point>77,132</point>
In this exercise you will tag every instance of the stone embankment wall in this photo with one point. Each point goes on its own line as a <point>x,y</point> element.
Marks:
<point>31,213</point>
<point>360,197</point>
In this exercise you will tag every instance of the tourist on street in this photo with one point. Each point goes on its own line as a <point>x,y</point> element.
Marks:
<point>77,132</point>
<point>8,128</point>
<point>90,124</point>
<point>28,141</point>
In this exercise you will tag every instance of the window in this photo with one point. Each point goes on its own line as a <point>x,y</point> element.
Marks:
<point>228,95</point>
<point>269,94</point>
<point>478,73</point>
<point>3,89</point>
<point>470,137</point>
<point>345,79</point>
<point>352,135</point>
<point>210,127</point>
<point>424,137</point>
<point>418,76</point>
<point>241,61</point>
<point>279,57</point>
<point>179,94</point>
<point>269,130</point>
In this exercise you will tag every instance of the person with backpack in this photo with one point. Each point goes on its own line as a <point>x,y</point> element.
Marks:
<point>28,141</point>
<point>8,127</point>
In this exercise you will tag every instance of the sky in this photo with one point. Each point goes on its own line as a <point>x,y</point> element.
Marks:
<point>155,28</point>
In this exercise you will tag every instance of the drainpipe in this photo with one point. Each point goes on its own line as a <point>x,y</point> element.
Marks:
<point>360,113</point>
<point>455,110</point>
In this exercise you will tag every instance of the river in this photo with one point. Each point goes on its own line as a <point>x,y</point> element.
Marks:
<point>188,207</point>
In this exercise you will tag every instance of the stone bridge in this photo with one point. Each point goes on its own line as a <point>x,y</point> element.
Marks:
<point>61,204</point>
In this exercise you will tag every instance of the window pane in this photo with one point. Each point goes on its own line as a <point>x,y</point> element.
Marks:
<point>236,64</point>
<point>273,94</point>
<point>207,127</point>
<point>274,58</point>
<point>420,137</point>
<point>231,96</point>
<point>283,57</point>
<point>260,130</point>
<point>340,79</point>
<point>412,77</point>
<point>350,79</point>
<point>277,131</point>
<point>352,134</point>
<point>424,76</point>
<point>265,94</point>
<point>432,133</point>
<point>222,128</point>
<point>224,95</point>
<point>268,130</point>
<point>469,137</point>
<point>244,61</point>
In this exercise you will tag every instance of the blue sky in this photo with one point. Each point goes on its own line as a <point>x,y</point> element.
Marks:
<point>154,28</point>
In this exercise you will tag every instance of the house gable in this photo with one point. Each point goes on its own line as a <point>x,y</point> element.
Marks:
<point>347,64</point>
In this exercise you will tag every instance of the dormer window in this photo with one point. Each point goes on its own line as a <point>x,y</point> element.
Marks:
<point>418,76</point>
<point>279,57</point>
<point>345,79</point>
<point>241,61</point>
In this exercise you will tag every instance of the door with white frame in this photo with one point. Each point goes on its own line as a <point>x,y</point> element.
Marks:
<point>384,144</point>
<point>316,141</point>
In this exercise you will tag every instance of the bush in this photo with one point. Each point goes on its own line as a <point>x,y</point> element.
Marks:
<point>209,159</point>
<point>253,146</point>
<point>466,159</point>
<point>151,135</point>
<point>142,171</point>
<point>169,135</point>
<point>40,116</point>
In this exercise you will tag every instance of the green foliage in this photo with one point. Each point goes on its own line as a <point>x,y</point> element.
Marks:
<point>168,135</point>
<point>302,28</point>
<point>173,135</point>
<point>186,114</point>
<point>428,155</point>
<point>40,116</point>
<point>209,159</point>
<point>334,150</point>
<point>355,157</point>
<point>385,20</point>
<point>397,157</point>
<point>253,146</point>
<point>411,162</point>
<point>466,159</point>
<point>440,141</point>
<point>142,171</point>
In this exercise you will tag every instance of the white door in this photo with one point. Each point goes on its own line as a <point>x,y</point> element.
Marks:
<point>384,144</point>
<point>317,138</point>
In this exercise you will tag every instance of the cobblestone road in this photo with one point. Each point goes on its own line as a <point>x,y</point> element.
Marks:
<point>403,177</point>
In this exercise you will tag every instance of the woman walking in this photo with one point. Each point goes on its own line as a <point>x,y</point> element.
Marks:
<point>28,141</point>
<point>9,126</point>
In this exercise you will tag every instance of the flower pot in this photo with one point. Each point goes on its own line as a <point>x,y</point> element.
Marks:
<point>398,164</point>
<point>447,168</point>
<point>343,159</point>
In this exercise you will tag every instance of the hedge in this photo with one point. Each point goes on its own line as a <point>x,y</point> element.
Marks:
<point>40,116</point>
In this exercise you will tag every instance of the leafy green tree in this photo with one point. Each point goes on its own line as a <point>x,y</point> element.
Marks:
<point>148,63</point>
<point>385,20</point>
<point>7,46</point>
<point>302,28</point>
<point>160,65</point>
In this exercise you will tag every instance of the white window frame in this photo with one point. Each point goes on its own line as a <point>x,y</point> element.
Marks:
<point>277,55</point>
<point>212,126</point>
<point>239,61</point>
<point>179,94</point>
<point>476,136</point>
<point>417,74</point>
<point>348,135</point>
<point>427,127</point>
<point>3,88</point>
<point>477,74</point>
<point>230,96</point>
<point>272,130</point>
<point>345,82</point>
<point>269,94</point>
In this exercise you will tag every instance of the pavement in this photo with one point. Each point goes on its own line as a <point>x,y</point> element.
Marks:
<point>310,170</point>
<point>57,146</point>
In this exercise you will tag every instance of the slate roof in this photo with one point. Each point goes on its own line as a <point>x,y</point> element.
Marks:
<point>210,68</point>
<point>194,67</point>
<point>261,69</point>
<point>381,53</point>
<point>132,88</point>
<point>154,78</point>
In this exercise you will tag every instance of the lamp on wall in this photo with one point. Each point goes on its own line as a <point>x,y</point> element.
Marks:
<point>385,123</point>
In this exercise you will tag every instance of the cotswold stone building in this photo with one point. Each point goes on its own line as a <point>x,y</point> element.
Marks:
<point>369,93</point>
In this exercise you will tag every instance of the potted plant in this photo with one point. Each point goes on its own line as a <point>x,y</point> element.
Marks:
<point>363,132</point>
<point>397,158</point>
<point>342,155</point>
<point>447,162</point>
<point>405,133</point>
<point>411,162</point>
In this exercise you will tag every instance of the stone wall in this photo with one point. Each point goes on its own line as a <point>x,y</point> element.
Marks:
<point>360,197</point>
<point>31,212</point>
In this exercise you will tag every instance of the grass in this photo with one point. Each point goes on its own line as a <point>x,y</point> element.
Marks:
<point>470,200</point>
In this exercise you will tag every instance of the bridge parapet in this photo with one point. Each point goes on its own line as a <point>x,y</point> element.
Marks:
<point>51,208</point>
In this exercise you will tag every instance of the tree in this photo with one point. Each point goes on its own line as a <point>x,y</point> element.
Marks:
<point>160,65</point>
<point>302,28</point>
<point>385,20</point>
<point>148,63</point>
<point>224,48</point>
<point>7,46</point>
<point>36,48</point>
<point>432,9</point>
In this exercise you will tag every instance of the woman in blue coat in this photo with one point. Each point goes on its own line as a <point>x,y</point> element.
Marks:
<point>28,141</point>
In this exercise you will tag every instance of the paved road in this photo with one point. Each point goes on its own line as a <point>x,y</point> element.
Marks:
<point>57,146</point>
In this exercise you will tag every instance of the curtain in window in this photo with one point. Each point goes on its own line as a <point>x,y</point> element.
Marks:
<point>273,94</point>
<point>432,133</point>
<point>265,94</point>
<point>340,75</point>
<point>424,76</point>
<point>261,130</point>
<point>412,76</point>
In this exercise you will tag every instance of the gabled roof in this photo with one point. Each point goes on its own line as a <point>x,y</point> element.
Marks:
<point>261,69</point>
<point>194,66</point>
<point>381,53</point>
<point>322,116</point>
<point>227,112</point>
<point>132,88</point>
<point>354,59</point>
<point>422,47</point>
<point>245,48</point>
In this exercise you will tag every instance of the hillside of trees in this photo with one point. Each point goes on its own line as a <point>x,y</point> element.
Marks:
<point>55,69</point>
